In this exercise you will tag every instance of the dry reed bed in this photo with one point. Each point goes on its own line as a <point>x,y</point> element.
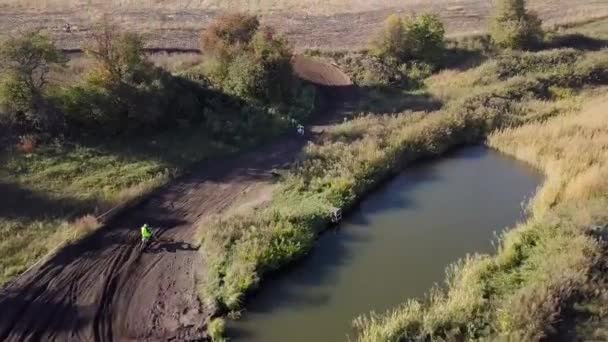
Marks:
<point>541,264</point>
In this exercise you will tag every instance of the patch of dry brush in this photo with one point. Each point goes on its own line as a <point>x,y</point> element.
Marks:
<point>541,264</point>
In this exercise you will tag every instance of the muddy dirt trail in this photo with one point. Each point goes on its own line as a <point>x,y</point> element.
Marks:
<point>104,288</point>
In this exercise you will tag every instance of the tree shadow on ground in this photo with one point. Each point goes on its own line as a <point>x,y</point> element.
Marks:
<point>462,59</point>
<point>576,41</point>
<point>17,202</point>
<point>389,100</point>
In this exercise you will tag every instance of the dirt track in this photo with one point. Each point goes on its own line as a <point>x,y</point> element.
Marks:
<point>104,289</point>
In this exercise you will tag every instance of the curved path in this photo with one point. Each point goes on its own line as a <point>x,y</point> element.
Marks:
<point>104,288</point>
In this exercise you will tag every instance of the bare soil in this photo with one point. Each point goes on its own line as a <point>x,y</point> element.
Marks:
<point>308,24</point>
<point>105,288</point>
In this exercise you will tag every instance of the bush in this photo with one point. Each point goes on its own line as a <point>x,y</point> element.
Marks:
<point>119,56</point>
<point>25,63</point>
<point>512,27</point>
<point>216,329</point>
<point>418,38</point>
<point>391,42</point>
<point>366,69</point>
<point>229,32</point>
<point>249,62</point>
<point>125,92</point>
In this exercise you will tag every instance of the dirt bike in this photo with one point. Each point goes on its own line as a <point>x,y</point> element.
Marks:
<point>146,243</point>
<point>300,131</point>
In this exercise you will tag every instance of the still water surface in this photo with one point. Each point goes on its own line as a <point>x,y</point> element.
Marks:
<point>395,246</point>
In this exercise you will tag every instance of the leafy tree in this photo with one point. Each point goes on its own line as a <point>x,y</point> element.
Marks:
<point>426,35</point>
<point>25,62</point>
<point>120,55</point>
<point>249,61</point>
<point>228,33</point>
<point>404,40</point>
<point>392,40</point>
<point>513,27</point>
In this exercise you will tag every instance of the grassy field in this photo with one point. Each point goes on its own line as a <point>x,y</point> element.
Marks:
<point>52,188</point>
<point>326,24</point>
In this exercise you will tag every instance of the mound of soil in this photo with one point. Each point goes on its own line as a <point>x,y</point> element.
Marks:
<point>320,73</point>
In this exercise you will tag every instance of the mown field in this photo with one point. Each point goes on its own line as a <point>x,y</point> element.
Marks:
<point>336,24</point>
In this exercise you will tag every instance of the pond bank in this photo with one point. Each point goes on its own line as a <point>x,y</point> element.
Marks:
<point>394,246</point>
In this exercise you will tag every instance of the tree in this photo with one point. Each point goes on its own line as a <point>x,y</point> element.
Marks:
<point>513,27</point>
<point>426,35</point>
<point>229,32</point>
<point>392,39</point>
<point>249,61</point>
<point>120,55</point>
<point>404,40</point>
<point>26,62</point>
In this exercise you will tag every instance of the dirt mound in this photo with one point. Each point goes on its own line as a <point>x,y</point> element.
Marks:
<point>319,72</point>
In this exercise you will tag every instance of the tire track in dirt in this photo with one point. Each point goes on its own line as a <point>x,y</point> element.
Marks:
<point>103,288</point>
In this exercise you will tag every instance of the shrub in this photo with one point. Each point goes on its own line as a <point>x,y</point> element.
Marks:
<point>216,329</point>
<point>27,143</point>
<point>366,69</point>
<point>25,63</point>
<point>125,92</point>
<point>512,27</point>
<point>229,32</point>
<point>119,56</point>
<point>418,38</point>
<point>392,40</point>
<point>249,62</point>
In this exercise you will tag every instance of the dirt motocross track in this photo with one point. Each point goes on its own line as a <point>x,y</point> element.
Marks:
<point>104,288</point>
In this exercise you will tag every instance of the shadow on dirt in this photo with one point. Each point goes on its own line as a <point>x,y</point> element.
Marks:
<point>52,312</point>
<point>169,247</point>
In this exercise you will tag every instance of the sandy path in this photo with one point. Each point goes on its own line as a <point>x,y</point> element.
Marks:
<point>105,289</point>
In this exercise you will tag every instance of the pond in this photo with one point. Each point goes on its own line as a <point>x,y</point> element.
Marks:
<point>394,246</point>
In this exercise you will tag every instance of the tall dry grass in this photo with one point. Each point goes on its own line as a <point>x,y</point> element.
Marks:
<point>519,293</point>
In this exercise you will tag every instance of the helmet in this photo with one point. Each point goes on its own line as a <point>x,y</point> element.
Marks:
<point>145,226</point>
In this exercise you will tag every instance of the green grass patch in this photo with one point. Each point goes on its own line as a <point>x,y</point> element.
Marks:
<point>46,190</point>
